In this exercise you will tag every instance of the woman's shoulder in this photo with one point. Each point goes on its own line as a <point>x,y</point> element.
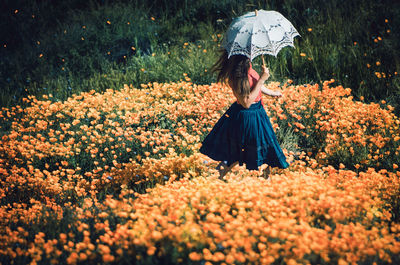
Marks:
<point>253,73</point>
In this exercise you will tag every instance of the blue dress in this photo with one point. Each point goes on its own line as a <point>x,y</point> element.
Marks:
<point>246,136</point>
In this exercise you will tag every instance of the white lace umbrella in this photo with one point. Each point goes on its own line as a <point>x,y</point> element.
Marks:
<point>257,33</point>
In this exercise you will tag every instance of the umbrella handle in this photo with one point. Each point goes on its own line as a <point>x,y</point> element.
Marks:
<point>262,55</point>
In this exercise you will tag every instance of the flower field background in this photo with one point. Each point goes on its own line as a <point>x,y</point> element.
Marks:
<point>116,177</point>
<point>104,105</point>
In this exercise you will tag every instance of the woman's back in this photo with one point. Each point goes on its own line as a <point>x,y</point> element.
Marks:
<point>253,77</point>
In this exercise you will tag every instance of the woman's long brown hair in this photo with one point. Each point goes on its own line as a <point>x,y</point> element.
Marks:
<point>233,71</point>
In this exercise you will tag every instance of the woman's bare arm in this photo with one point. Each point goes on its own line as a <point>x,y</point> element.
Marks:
<point>270,92</point>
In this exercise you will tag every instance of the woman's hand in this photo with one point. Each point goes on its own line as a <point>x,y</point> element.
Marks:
<point>269,92</point>
<point>276,93</point>
<point>265,74</point>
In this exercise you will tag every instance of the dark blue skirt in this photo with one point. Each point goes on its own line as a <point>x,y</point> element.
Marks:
<point>246,136</point>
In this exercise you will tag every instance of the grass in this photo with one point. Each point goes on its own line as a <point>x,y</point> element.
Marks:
<point>100,45</point>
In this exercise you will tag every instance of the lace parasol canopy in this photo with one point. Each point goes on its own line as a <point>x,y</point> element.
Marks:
<point>259,32</point>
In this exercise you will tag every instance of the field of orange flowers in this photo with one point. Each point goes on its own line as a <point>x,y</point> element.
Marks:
<point>116,177</point>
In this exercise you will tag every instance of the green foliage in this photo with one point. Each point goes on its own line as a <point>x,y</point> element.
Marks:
<point>348,41</point>
<point>288,139</point>
<point>88,42</point>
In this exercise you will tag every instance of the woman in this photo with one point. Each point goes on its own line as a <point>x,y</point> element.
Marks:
<point>244,133</point>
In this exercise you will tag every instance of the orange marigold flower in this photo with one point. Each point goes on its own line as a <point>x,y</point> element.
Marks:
<point>218,256</point>
<point>108,258</point>
<point>342,262</point>
<point>195,256</point>
<point>151,250</point>
<point>73,258</point>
